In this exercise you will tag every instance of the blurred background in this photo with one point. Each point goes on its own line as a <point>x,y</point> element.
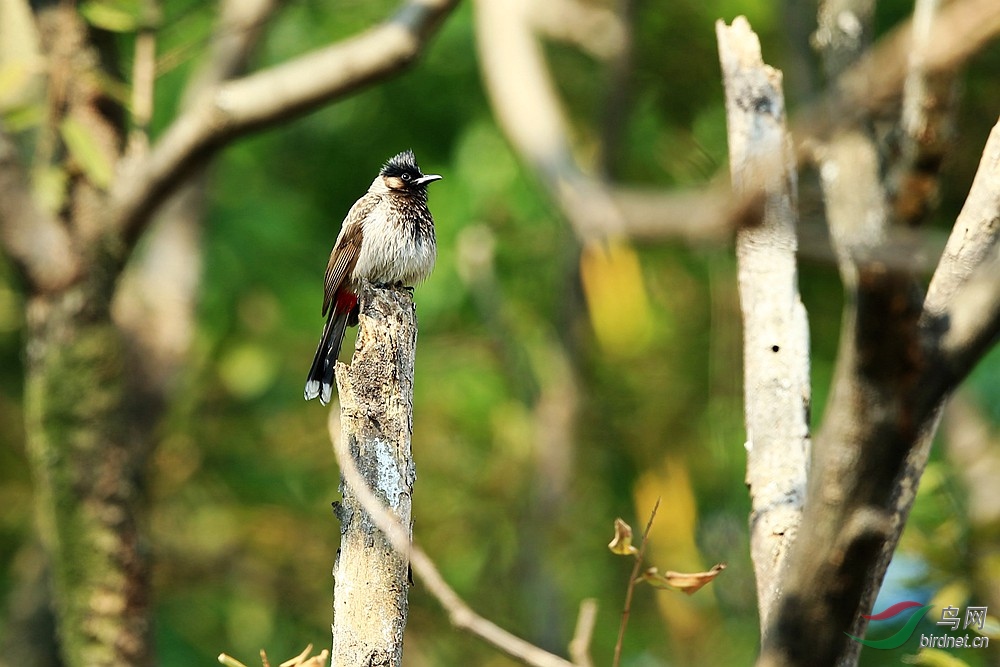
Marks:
<point>556,387</point>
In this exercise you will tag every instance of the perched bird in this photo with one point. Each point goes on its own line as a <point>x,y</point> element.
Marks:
<point>387,238</point>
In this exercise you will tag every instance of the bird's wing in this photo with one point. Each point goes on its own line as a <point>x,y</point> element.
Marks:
<point>345,252</point>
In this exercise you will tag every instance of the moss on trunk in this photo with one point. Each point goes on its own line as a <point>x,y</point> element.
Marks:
<point>88,478</point>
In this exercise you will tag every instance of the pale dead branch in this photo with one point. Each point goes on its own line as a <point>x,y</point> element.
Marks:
<point>266,98</point>
<point>33,239</point>
<point>775,327</point>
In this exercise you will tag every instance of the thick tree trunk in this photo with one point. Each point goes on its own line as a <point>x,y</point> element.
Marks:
<point>376,401</point>
<point>88,477</point>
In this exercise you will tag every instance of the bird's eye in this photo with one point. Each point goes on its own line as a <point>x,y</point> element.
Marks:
<point>406,176</point>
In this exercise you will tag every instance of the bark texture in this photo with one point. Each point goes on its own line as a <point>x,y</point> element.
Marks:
<point>88,479</point>
<point>775,326</point>
<point>376,402</point>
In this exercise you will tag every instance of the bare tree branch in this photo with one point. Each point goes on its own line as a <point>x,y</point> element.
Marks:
<point>34,240</point>
<point>775,327</point>
<point>960,30</point>
<point>527,107</point>
<point>37,243</point>
<point>579,646</point>
<point>531,115</point>
<point>973,325</point>
<point>708,214</point>
<point>855,202</point>
<point>976,232</point>
<point>592,28</point>
<point>925,126</point>
<point>144,76</point>
<point>843,31</point>
<point>155,299</point>
<point>633,579</point>
<point>530,112</point>
<point>267,98</point>
<point>961,313</point>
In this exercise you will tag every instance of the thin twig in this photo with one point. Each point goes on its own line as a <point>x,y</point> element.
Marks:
<point>144,78</point>
<point>926,124</point>
<point>461,615</point>
<point>975,236</point>
<point>579,646</point>
<point>631,585</point>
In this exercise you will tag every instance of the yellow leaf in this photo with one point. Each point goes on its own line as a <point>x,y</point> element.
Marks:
<point>21,118</point>
<point>685,582</point>
<point>49,182</point>
<point>616,297</point>
<point>18,83</point>
<point>22,66</point>
<point>621,543</point>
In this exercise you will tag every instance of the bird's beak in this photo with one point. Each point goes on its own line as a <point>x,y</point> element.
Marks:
<point>429,178</point>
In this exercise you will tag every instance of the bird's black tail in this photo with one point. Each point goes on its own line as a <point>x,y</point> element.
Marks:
<point>320,380</point>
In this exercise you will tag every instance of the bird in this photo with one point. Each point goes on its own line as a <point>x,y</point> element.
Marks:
<point>387,238</point>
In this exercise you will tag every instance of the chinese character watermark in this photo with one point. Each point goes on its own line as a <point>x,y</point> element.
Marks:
<point>951,618</point>
<point>974,616</point>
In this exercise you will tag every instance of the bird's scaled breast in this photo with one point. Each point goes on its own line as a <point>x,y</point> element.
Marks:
<point>396,250</point>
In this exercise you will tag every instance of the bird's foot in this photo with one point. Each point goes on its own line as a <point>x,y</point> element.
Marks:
<point>396,285</point>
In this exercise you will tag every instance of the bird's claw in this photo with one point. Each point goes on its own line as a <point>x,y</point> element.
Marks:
<point>396,285</point>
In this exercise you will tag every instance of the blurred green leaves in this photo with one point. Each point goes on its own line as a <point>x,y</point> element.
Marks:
<point>113,15</point>
<point>87,152</point>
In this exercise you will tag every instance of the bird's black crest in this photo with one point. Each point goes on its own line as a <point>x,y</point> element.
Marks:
<point>402,163</point>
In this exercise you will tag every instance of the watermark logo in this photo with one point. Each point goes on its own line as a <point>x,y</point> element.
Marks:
<point>974,617</point>
<point>904,633</point>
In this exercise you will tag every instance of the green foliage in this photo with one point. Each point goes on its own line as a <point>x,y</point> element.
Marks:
<point>86,152</point>
<point>113,15</point>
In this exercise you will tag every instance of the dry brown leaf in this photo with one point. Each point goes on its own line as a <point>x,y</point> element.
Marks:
<point>686,582</point>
